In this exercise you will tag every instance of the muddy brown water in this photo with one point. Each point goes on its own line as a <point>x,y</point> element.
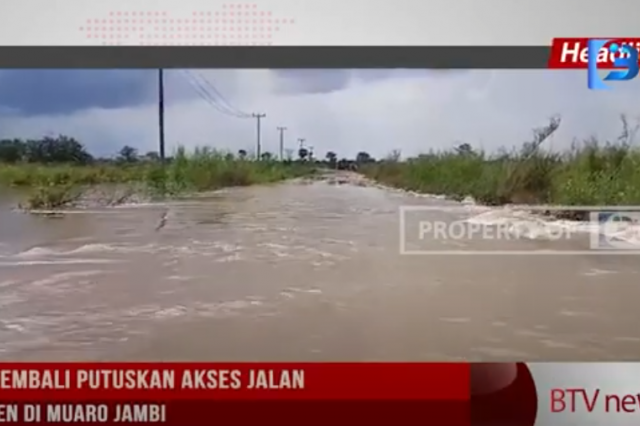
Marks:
<point>298,272</point>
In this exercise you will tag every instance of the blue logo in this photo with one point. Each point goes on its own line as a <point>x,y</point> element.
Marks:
<point>625,57</point>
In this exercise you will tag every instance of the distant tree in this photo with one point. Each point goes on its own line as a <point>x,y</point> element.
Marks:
<point>128,154</point>
<point>363,157</point>
<point>59,149</point>
<point>464,149</point>
<point>12,150</point>
<point>68,149</point>
<point>242,154</point>
<point>36,152</point>
<point>152,156</point>
<point>266,156</point>
<point>332,159</point>
<point>303,153</point>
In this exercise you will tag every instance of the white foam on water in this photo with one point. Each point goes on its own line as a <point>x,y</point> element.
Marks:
<point>215,309</point>
<point>172,312</point>
<point>59,262</point>
<point>517,222</point>
<point>132,206</point>
<point>35,252</point>
<point>535,226</point>
<point>273,246</point>
<point>178,278</point>
<point>44,255</point>
<point>290,292</point>
<point>12,327</point>
<point>38,252</point>
<point>10,298</point>
<point>63,276</point>
<point>232,258</point>
<point>223,309</point>
<point>44,252</point>
<point>8,283</point>
<point>95,248</point>
<point>595,272</point>
<point>73,212</point>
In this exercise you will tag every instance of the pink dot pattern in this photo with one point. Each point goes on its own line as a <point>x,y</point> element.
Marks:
<point>233,24</point>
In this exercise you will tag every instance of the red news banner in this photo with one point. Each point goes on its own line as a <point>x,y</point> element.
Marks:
<point>211,394</point>
<point>571,53</point>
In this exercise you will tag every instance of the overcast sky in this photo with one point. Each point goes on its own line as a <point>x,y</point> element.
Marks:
<point>342,110</point>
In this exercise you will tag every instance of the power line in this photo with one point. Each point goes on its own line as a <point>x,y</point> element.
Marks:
<point>210,99</point>
<point>207,97</point>
<point>225,107</point>
<point>204,94</point>
<point>225,103</point>
<point>209,93</point>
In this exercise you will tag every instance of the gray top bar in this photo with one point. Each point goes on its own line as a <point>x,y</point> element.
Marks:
<point>444,57</point>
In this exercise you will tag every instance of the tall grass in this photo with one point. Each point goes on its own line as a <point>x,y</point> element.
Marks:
<point>589,173</point>
<point>51,186</point>
<point>207,169</point>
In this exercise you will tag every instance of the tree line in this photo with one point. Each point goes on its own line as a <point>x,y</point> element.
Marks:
<point>68,150</point>
<point>60,150</point>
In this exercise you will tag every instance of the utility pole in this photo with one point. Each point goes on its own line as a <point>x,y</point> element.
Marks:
<point>161,111</point>
<point>258,147</point>
<point>282,130</point>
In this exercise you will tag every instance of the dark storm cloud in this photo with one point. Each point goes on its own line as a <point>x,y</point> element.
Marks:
<point>312,81</point>
<point>327,81</point>
<point>61,92</point>
<point>53,92</point>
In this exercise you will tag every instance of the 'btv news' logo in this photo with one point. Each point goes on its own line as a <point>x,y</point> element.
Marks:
<point>606,60</point>
<point>580,400</point>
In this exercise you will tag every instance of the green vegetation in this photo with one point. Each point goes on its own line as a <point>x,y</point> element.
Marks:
<point>58,171</point>
<point>590,173</point>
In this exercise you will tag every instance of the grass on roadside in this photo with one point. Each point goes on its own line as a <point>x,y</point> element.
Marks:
<point>590,173</point>
<point>54,186</point>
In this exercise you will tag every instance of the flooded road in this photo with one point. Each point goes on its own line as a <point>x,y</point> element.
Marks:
<point>298,272</point>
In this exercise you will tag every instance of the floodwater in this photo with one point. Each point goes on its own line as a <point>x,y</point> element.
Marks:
<point>302,271</point>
